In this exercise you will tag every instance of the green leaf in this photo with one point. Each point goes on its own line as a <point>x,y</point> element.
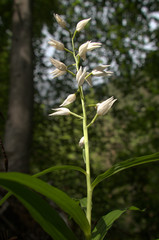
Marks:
<point>48,170</point>
<point>60,198</point>
<point>63,167</point>
<point>40,210</point>
<point>105,223</point>
<point>124,165</point>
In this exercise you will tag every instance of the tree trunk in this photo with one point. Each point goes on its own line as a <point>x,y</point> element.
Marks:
<point>19,122</point>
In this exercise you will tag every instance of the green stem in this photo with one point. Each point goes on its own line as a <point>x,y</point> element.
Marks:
<point>93,120</point>
<point>76,115</point>
<point>88,176</point>
<point>86,142</point>
<point>71,72</point>
<point>67,50</point>
<point>88,75</point>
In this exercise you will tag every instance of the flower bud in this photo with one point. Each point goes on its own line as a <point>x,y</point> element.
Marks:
<point>88,46</point>
<point>70,99</point>
<point>56,44</point>
<point>80,76</point>
<point>61,66</point>
<point>81,142</point>
<point>60,21</point>
<point>103,108</point>
<point>82,24</point>
<point>60,111</point>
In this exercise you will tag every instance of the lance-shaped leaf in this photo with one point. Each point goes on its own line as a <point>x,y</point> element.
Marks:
<point>46,171</point>
<point>132,162</point>
<point>40,210</point>
<point>62,167</point>
<point>67,204</point>
<point>105,223</point>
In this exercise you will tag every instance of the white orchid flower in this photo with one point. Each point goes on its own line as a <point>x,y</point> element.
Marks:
<point>60,111</point>
<point>70,99</point>
<point>56,44</point>
<point>83,50</point>
<point>80,25</point>
<point>100,71</point>
<point>80,76</point>
<point>88,46</point>
<point>61,66</point>
<point>103,108</point>
<point>60,21</point>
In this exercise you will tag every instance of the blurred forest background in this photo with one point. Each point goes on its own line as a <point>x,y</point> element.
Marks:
<point>129,33</point>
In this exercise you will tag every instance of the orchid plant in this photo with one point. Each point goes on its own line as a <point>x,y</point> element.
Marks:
<point>81,76</point>
<point>21,185</point>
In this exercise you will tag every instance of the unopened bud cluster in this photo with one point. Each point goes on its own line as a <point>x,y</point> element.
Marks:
<point>81,74</point>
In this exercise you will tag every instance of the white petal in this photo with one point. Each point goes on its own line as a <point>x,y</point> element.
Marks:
<point>103,108</point>
<point>101,67</point>
<point>83,50</point>
<point>60,111</point>
<point>89,80</point>
<point>57,73</point>
<point>61,66</point>
<point>93,45</point>
<point>56,44</point>
<point>70,99</point>
<point>81,142</point>
<point>82,77</point>
<point>80,25</point>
